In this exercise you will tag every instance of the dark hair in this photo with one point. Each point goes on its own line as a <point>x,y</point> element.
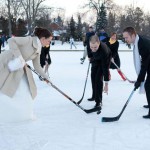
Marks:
<point>42,32</point>
<point>130,30</point>
<point>113,33</point>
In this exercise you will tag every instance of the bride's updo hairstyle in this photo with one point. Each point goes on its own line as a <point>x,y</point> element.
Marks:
<point>42,32</point>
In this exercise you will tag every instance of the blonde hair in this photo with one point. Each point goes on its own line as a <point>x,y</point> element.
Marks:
<point>94,39</point>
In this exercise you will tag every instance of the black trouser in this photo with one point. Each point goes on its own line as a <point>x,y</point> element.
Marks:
<point>0,47</point>
<point>97,82</point>
<point>147,89</point>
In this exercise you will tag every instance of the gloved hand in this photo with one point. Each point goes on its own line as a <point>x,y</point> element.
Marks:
<point>137,85</point>
<point>16,64</point>
<point>47,80</point>
<point>91,60</point>
<point>112,60</point>
<point>84,44</point>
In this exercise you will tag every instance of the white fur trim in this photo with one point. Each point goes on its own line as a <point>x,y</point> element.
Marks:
<point>16,64</point>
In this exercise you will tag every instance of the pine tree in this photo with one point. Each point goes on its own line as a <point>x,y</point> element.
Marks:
<point>101,19</point>
<point>79,28</point>
<point>111,23</point>
<point>72,28</point>
<point>139,18</point>
<point>59,21</point>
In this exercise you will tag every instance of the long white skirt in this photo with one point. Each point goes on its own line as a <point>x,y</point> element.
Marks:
<point>20,107</point>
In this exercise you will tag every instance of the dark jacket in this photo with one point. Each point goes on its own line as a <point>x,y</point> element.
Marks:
<point>113,47</point>
<point>44,53</point>
<point>102,35</point>
<point>0,41</point>
<point>114,50</point>
<point>102,57</point>
<point>144,51</point>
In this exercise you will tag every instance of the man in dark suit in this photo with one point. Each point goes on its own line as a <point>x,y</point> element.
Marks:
<point>101,58</point>
<point>141,53</point>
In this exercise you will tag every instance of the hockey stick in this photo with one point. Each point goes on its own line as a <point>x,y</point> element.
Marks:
<point>111,119</point>
<point>122,74</point>
<point>84,85</point>
<point>50,83</point>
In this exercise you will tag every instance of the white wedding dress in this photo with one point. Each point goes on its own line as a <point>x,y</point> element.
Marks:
<point>20,107</point>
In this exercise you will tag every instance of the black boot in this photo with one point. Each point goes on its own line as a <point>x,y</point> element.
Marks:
<point>82,61</point>
<point>145,106</point>
<point>147,116</point>
<point>98,105</point>
<point>91,99</point>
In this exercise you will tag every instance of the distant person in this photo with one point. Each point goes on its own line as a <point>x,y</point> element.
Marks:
<point>62,40</point>
<point>141,55</point>
<point>3,40</point>
<point>101,57</point>
<point>102,34</point>
<point>45,59</point>
<point>72,43</point>
<point>7,37</point>
<point>87,49</point>
<point>113,44</point>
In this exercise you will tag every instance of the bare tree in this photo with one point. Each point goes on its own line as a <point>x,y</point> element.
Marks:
<point>3,9</point>
<point>31,8</point>
<point>95,6</point>
<point>16,8</point>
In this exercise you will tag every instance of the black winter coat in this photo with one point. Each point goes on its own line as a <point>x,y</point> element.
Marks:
<point>102,57</point>
<point>44,53</point>
<point>114,50</point>
<point>144,51</point>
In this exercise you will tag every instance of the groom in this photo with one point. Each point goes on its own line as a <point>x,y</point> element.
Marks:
<point>141,53</point>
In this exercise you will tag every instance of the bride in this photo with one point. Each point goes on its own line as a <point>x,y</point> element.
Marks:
<point>17,86</point>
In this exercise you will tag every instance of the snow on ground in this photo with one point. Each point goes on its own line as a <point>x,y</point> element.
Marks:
<point>60,125</point>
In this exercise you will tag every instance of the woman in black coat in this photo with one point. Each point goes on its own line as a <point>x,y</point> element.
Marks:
<point>113,44</point>
<point>45,59</point>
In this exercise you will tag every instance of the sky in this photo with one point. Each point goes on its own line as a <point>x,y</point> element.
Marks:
<point>72,7</point>
<point>144,4</point>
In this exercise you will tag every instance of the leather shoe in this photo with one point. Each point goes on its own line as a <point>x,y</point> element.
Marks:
<point>145,106</point>
<point>146,116</point>
<point>91,99</point>
<point>98,105</point>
